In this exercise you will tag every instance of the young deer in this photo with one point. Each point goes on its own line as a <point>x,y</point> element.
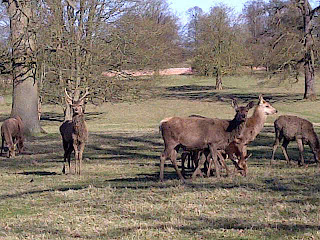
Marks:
<point>74,133</point>
<point>253,126</point>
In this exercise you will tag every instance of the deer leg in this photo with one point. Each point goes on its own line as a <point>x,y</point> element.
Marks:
<point>163,158</point>
<point>174,162</point>
<point>65,155</point>
<point>81,149</point>
<point>222,160</point>
<point>284,150</point>
<point>209,161</point>
<point>300,147</point>
<point>198,169</point>
<point>196,159</point>
<point>184,155</point>
<point>2,144</point>
<point>275,146</point>
<point>76,156</point>
<point>214,156</point>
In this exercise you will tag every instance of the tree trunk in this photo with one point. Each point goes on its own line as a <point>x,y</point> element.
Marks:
<point>218,80</point>
<point>309,90</point>
<point>25,87</point>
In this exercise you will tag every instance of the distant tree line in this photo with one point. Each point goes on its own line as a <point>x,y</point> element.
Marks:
<point>47,46</point>
<point>280,35</point>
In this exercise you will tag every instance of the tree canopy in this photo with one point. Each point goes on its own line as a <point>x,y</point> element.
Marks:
<point>79,42</point>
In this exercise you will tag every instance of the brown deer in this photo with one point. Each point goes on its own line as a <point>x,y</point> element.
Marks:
<point>252,128</point>
<point>12,134</point>
<point>293,128</point>
<point>199,133</point>
<point>74,133</point>
<point>194,155</point>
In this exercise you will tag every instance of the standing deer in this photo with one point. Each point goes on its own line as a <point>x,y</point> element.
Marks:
<point>12,134</point>
<point>74,133</point>
<point>252,128</point>
<point>199,133</point>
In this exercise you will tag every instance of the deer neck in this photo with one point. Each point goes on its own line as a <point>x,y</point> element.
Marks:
<point>78,122</point>
<point>235,128</point>
<point>258,118</point>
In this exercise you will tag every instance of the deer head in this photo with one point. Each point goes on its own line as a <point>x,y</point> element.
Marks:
<point>241,112</point>
<point>76,105</point>
<point>267,108</point>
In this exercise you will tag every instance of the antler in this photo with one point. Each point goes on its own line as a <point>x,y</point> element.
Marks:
<point>85,94</point>
<point>67,95</point>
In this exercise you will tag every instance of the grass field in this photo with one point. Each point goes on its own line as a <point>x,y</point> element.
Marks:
<point>119,196</point>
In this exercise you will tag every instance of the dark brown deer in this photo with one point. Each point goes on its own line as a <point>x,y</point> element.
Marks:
<point>193,156</point>
<point>252,128</point>
<point>199,133</point>
<point>12,134</point>
<point>74,133</point>
<point>293,128</point>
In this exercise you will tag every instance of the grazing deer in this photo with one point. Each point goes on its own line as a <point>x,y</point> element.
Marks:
<point>252,128</point>
<point>74,133</point>
<point>293,128</point>
<point>12,134</point>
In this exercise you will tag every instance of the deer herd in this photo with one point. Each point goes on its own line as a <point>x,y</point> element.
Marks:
<point>205,142</point>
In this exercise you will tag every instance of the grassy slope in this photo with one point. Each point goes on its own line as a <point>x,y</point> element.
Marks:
<point>119,196</point>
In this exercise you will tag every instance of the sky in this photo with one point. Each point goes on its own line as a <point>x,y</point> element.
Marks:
<point>181,6</point>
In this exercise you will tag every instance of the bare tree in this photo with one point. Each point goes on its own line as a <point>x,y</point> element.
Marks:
<point>307,15</point>
<point>219,44</point>
<point>23,46</point>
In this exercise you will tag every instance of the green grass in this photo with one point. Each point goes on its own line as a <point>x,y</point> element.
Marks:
<point>119,196</point>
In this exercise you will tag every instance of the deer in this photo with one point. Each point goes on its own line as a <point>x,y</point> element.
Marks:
<point>253,126</point>
<point>293,128</point>
<point>194,155</point>
<point>74,133</point>
<point>199,133</point>
<point>12,133</point>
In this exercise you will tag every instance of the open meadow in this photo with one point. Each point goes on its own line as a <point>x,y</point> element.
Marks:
<point>119,195</point>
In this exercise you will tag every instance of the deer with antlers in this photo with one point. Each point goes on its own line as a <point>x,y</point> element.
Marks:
<point>74,132</point>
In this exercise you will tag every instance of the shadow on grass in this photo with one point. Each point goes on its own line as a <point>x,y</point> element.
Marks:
<point>62,189</point>
<point>57,117</point>
<point>38,173</point>
<point>3,117</point>
<point>208,93</point>
<point>202,226</point>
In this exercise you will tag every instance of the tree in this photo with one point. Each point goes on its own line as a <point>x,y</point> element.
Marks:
<point>23,46</point>
<point>148,37</point>
<point>255,17</point>
<point>76,46</point>
<point>193,27</point>
<point>307,15</point>
<point>219,48</point>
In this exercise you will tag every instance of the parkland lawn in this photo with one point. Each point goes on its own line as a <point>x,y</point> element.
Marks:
<point>119,196</point>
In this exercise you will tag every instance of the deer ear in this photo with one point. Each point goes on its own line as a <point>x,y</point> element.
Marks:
<point>250,104</point>
<point>261,100</point>
<point>234,103</point>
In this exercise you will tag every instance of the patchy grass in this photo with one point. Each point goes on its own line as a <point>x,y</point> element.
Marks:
<point>118,195</point>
